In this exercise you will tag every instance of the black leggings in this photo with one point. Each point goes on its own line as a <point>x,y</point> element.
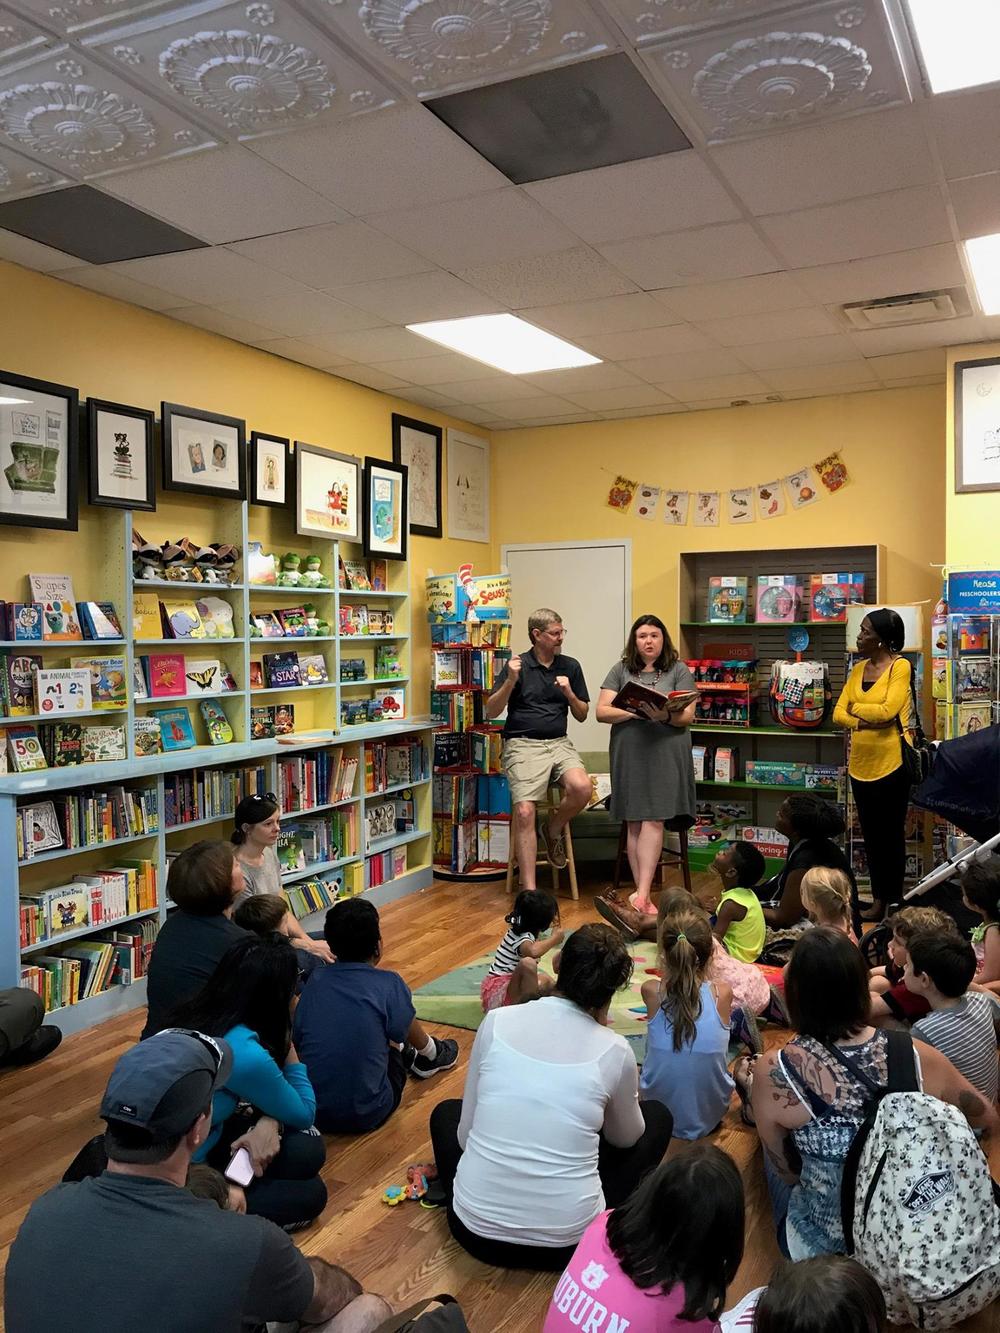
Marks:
<point>620,1170</point>
<point>882,807</point>
<point>290,1191</point>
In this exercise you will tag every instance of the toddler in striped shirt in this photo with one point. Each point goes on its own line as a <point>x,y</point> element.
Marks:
<point>513,976</point>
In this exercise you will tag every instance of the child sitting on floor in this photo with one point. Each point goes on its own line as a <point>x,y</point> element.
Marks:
<point>513,974</point>
<point>356,1031</point>
<point>828,1294</point>
<point>269,914</point>
<point>739,917</point>
<point>981,894</point>
<point>687,1035</point>
<point>890,998</point>
<point>961,1022</point>
<point>826,896</point>
<point>664,1258</point>
<point>204,1182</point>
<point>751,992</point>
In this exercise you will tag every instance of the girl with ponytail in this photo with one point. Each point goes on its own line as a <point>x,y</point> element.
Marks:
<point>688,1028</point>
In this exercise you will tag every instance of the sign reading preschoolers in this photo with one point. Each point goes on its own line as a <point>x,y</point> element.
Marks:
<point>974,590</point>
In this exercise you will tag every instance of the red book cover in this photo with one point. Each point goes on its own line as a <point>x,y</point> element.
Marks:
<point>166,675</point>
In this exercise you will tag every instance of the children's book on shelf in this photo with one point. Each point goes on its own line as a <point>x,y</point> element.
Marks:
<point>102,744</point>
<point>25,749</point>
<point>447,669</point>
<point>140,685</point>
<point>147,737</point>
<point>294,621</point>
<point>392,704</point>
<point>358,579</point>
<point>146,619</point>
<point>967,635</point>
<point>62,743</point>
<point>284,719</point>
<point>378,572</point>
<point>289,850</point>
<point>353,712</point>
<point>779,599</point>
<point>281,670</point>
<point>387,663</point>
<point>216,617</point>
<point>376,620</point>
<point>41,828</point>
<point>70,909</point>
<point>312,669</point>
<point>51,587</point>
<point>727,599</point>
<point>181,620</point>
<point>256,676</point>
<point>25,621</point>
<point>260,566</point>
<point>262,724</point>
<point>176,730</point>
<point>203,677</point>
<point>99,620</point>
<point>359,619</point>
<point>63,690</point>
<point>18,683</point>
<point>108,680</point>
<point>352,668</point>
<point>59,622</point>
<point>831,594</point>
<point>166,675</point>
<point>345,625</point>
<point>216,723</point>
<point>380,821</point>
<point>388,621</point>
<point>267,624</point>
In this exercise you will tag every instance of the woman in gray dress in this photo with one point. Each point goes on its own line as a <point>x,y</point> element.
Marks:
<point>652,776</point>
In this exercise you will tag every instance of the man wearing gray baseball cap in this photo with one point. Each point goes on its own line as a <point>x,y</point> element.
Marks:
<point>133,1250</point>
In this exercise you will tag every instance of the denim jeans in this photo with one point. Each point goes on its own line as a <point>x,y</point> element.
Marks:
<point>781,1193</point>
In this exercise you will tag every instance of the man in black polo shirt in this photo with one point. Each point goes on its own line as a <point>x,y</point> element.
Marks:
<point>538,689</point>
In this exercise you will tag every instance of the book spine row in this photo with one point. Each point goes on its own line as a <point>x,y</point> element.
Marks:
<point>382,867</point>
<point>115,958</point>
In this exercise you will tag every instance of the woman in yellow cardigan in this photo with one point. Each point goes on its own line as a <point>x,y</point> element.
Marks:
<point>875,705</point>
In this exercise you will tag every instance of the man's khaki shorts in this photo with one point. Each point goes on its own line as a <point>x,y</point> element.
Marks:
<point>533,766</point>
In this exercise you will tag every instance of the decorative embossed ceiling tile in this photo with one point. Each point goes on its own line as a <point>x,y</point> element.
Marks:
<point>74,17</point>
<point>19,38</point>
<point>436,46</point>
<point>794,67</point>
<point>19,175</point>
<point>647,20</point>
<point>253,68</point>
<point>77,117</point>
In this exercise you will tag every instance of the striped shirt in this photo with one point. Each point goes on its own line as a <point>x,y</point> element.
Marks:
<point>967,1036</point>
<point>507,956</point>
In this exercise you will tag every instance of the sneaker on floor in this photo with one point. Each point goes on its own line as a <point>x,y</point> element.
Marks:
<point>409,1054</point>
<point>745,1030</point>
<point>40,1044</point>
<point>445,1057</point>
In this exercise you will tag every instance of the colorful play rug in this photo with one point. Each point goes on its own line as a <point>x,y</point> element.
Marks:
<point>454,997</point>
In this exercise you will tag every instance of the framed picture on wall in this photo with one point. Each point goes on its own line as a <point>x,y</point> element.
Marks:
<point>327,493</point>
<point>468,487</point>
<point>270,473</point>
<point>385,509</point>
<point>418,446</point>
<point>203,452</point>
<point>39,444</point>
<point>120,469</point>
<point>977,425</point>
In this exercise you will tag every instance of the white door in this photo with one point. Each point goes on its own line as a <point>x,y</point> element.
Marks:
<point>590,585</point>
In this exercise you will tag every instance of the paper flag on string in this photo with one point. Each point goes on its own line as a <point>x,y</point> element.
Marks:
<point>675,507</point>
<point>706,509</point>
<point>647,501</point>
<point>802,487</point>
<point>740,505</point>
<point>621,494</point>
<point>832,472</point>
<point>770,501</point>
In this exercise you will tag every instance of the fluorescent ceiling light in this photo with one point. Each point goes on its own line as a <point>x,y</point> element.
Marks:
<point>505,342</point>
<point>6,401</point>
<point>983,254</point>
<point>959,41</point>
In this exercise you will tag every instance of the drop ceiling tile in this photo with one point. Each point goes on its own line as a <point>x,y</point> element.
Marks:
<point>914,337</point>
<point>626,412</point>
<point>329,257</point>
<point>606,400</point>
<point>388,343</point>
<point>729,250</point>
<point>742,296</point>
<point>416,299</point>
<point>881,224</point>
<point>529,423</point>
<point>250,69</point>
<point>646,342</point>
<point>601,376</point>
<point>431,398</point>
<point>793,395</point>
<point>203,277</point>
<point>99,278</point>
<point>445,367</point>
<point>725,404</point>
<point>685,365</point>
<point>371,378</point>
<point>223,196</point>
<point>78,118</point>
<point>474,415</point>
<point>903,364</point>
<point>453,47</point>
<point>966,125</point>
<point>546,405</point>
<point>548,279</point>
<point>825,164</point>
<point>844,374</point>
<point>497,388</point>
<point>215,321</point>
<point>369,164</point>
<point>808,322</point>
<point>611,314</point>
<point>501,425</point>
<point>820,351</point>
<point>299,313</point>
<point>917,382</point>
<point>20,38</point>
<point>976,201</point>
<point>714,386</point>
<point>486,229</point>
<point>769,72</point>
<point>306,353</point>
<point>644,22</point>
<point>19,175</point>
<point>658,194</point>
<point>920,270</point>
<point>31,254</point>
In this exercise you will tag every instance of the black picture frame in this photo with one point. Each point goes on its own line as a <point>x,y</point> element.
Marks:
<point>178,421</point>
<point>417,480</point>
<point>987,368</point>
<point>371,542</point>
<point>97,458</point>
<point>15,490</point>
<point>256,494</point>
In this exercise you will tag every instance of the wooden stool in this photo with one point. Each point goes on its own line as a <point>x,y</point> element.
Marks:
<point>667,858</point>
<point>545,809</point>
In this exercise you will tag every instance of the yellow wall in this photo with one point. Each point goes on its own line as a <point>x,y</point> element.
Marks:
<point>107,349</point>
<point>552,484</point>
<point>973,521</point>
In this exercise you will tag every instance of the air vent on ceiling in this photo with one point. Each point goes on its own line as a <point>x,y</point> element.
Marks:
<point>911,308</point>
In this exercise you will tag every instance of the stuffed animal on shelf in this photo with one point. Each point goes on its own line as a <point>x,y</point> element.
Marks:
<point>289,575</point>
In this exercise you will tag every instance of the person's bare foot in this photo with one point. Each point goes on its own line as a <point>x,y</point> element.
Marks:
<point>641,905</point>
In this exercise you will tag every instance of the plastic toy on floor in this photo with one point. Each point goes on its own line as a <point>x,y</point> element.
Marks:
<point>417,1178</point>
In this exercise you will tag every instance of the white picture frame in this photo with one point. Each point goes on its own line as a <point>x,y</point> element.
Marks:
<point>468,487</point>
<point>977,425</point>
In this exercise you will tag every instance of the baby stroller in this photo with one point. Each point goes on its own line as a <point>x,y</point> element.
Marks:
<point>964,788</point>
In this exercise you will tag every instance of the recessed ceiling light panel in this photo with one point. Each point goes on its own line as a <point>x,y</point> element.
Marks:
<point>506,343</point>
<point>958,41</point>
<point>983,254</point>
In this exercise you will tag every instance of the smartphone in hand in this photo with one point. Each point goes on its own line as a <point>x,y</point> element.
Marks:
<point>240,1168</point>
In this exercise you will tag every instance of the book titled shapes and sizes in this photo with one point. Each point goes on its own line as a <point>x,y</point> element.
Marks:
<point>51,587</point>
<point>281,670</point>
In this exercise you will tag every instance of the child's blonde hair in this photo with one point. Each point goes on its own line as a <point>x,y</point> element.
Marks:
<point>673,901</point>
<point>827,893</point>
<point>910,921</point>
<point>685,948</point>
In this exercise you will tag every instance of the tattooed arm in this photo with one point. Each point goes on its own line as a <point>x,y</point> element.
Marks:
<point>777,1111</point>
<point>941,1079</point>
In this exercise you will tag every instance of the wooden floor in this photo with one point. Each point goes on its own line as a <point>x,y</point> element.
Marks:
<point>47,1112</point>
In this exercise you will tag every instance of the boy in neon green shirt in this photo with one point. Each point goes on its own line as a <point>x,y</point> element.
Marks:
<point>739,919</point>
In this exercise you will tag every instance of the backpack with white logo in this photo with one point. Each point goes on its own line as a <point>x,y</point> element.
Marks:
<point>800,694</point>
<point>919,1209</point>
